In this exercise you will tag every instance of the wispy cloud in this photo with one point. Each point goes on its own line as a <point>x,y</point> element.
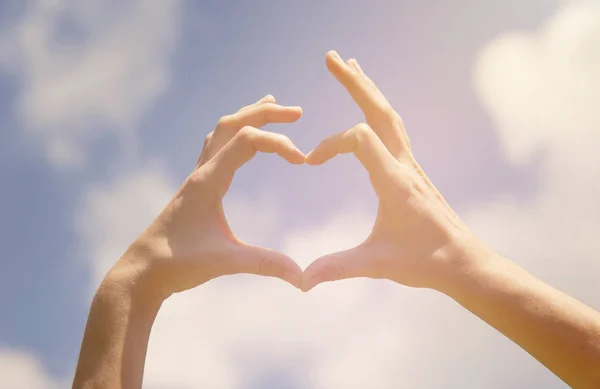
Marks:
<point>20,370</point>
<point>542,90</point>
<point>88,69</point>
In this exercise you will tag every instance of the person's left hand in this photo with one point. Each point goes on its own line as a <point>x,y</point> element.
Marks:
<point>190,242</point>
<point>417,239</point>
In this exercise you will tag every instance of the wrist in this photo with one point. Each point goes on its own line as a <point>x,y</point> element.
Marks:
<point>480,273</point>
<point>129,276</point>
<point>466,262</point>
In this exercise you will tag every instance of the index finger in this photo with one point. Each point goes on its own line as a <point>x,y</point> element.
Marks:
<point>371,101</point>
<point>244,145</point>
<point>255,115</point>
<point>380,115</point>
<point>365,144</point>
<point>261,115</point>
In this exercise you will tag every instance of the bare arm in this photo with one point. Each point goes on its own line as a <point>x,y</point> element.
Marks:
<point>188,244</point>
<point>556,329</point>
<point>418,240</point>
<point>116,337</point>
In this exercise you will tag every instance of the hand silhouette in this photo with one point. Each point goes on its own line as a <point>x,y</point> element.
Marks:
<point>190,242</point>
<point>416,234</point>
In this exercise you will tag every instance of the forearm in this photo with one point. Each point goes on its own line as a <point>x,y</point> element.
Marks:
<point>559,331</point>
<point>115,341</point>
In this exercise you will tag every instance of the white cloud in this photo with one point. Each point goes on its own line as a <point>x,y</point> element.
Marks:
<point>542,89</point>
<point>21,370</point>
<point>111,216</point>
<point>73,92</point>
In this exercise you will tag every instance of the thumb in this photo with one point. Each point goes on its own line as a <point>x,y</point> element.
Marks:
<point>351,263</point>
<point>261,261</point>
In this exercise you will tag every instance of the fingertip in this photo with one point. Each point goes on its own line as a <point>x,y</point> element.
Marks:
<point>311,277</point>
<point>270,263</point>
<point>311,159</point>
<point>307,285</point>
<point>304,289</point>
<point>293,278</point>
<point>321,154</point>
<point>333,56</point>
<point>291,153</point>
<point>297,110</point>
<point>354,63</point>
<point>297,157</point>
<point>290,114</point>
<point>334,62</point>
<point>268,99</point>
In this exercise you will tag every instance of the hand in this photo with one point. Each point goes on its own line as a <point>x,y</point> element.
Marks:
<point>416,234</point>
<point>190,242</point>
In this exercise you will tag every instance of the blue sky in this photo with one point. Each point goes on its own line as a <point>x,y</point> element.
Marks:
<point>105,106</point>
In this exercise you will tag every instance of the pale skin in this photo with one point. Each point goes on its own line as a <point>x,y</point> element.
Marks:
<point>417,240</point>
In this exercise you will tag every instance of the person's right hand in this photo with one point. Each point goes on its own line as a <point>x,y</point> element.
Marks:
<point>416,236</point>
<point>190,242</point>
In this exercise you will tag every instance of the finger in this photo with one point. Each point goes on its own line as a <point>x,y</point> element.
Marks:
<point>351,263</point>
<point>354,63</point>
<point>266,99</point>
<point>264,262</point>
<point>372,102</point>
<point>386,123</point>
<point>247,142</point>
<point>260,115</point>
<point>256,115</point>
<point>363,142</point>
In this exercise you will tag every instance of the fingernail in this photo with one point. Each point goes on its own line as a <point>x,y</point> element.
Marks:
<point>335,55</point>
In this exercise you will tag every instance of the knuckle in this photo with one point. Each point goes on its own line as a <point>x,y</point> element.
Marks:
<point>362,131</point>
<point>283,138</point>
<point>197,179</point>
<point>225,121</point>
<point>246,133</point>
<point>208,137</point>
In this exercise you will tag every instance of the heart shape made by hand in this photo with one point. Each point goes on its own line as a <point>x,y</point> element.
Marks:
<point>414,235</point>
